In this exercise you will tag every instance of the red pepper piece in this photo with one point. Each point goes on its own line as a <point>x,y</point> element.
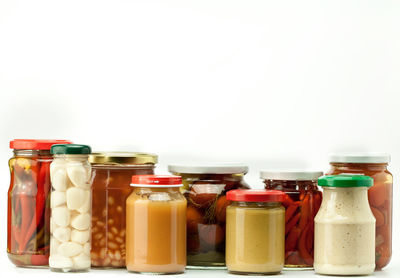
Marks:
<point>290,210</point>
<point>292,223</point>
<point>293,259</point>
<point>291,240</point>
<point>288,201</point>
<point>317,199</point>
<point>304,212</point>
<point>308,259</point>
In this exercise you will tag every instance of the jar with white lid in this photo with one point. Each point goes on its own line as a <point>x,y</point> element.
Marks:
<point>345,227</point>
<point>70,220</point>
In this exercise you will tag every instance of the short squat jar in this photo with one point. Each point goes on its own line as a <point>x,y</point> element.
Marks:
<point>156,225</point>
<point>70,203</point>
<point>380,195</point>
<point>255,231</point>
<point>111,174</point>
<point>205,188</point>
<point>345,227</point>
<point>302,201</point>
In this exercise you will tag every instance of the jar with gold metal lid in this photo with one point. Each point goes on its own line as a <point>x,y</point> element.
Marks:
<point>112,174</point>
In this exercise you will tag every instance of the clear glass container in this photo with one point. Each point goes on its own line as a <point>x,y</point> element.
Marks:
<point>70,220</point>
<point>380,195</point>
<point>345,227</point>
<point>156,225</point>
<point>28,233</point>
<point>205,188</point>
<point>255,232</point>
<point>303,199</point>
<point>111,174</point>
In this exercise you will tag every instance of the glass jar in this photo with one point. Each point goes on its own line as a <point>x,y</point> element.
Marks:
<point>345,227</point>
<point>111,174</point>
<point>205,189</point>
<point>255,231</point>
<point>380,195</point>
<point>28,233</point>
<point>70,204</point>
<point>302,202</point>
<point>156,225</point>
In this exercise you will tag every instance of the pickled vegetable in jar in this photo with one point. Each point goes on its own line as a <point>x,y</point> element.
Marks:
<point>28,232</point>
<point>111,174</point>
<point>255,231</point>
<point>380,195</point>
<point>70,203</point>
<point>303,199</point>
<point>156,225</point>
<point>205,188</point>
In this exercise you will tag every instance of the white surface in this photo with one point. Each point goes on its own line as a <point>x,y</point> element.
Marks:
<point>272,84</point>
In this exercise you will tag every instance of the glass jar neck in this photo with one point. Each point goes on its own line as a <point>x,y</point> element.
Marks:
<point>255,204</point>
<point>291,185</point>
<point>31,153</point>
<point>359,166</point>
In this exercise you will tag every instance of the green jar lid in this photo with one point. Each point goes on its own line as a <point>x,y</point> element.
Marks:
<point>346,181</point>
<point>70,149</point>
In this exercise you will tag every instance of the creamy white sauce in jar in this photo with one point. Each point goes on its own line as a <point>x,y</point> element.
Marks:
<point>344,233</point>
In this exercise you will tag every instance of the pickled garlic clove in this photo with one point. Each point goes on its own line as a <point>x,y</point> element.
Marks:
<point>81,221</point>
<point>81,261</point>
<point>57,199</point>
<point>62,234</point>
<point>75,198</point>
<point>59,179</point>
<point>59,261</point>
<point>69,249</point>
<point>79,174</point>
<point>61,216</point>
<point>86,248</point>
<point>86,203</point>
<point>80,236</point>
<point>54,243</point>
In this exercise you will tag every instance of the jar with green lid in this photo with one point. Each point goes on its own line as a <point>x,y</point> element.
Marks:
<point>345,227</point>
<point>112,173</point>
<point>205,188</point>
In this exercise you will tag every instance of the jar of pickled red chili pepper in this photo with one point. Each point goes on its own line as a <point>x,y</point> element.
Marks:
<point>380,195</point>
<point>205,188</point>
<point>302,201</point>
<point>28,225</point>
<point>112,173</point>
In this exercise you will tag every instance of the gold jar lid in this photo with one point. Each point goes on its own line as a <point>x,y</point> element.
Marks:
<point>123,158</point>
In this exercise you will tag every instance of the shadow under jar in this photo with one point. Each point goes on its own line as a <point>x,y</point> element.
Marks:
<point>302,202</point>
<point>112,174</point>
<point>380,195</point>
<point>205,188</point>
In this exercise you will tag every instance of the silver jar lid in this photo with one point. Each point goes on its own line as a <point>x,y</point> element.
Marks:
<point>359,158</point>
<point>215,168</point>
<point>290,175</point>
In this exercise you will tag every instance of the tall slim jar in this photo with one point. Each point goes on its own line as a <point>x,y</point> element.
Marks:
<point>70,220</point>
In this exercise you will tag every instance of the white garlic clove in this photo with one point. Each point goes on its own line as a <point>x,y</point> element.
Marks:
<point>86,203</point>
<point>80,236</point>
<point>62,234</point>
<point>86,248</point>
<point>75,198</point>
<point>59,179</point>
<point>69,249</point>
<point>54,243</point>
<point>81,221</point>
<point>57,199</point>
<point>59,261</point>
<point>61,216</point>
<point>79,175</point>
<point>81,261</point>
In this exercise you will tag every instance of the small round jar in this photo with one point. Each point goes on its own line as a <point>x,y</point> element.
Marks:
<point>345,227</point>
<point>255,231</point>
<point>70,219</point>
<point>380,195</point>
<point>156,225</point>
<point>111,174</point>
<point>205,188</point>
<point>303,199</point>
<point>28,233</point>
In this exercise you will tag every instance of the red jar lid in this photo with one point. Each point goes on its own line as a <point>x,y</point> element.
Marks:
<point>253,195</point>
<point>156,181</point>
<point>33,144</point>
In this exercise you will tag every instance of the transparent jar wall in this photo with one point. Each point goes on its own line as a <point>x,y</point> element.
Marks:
<point>28,232</point>
<point>156,231</point>
<point>302,203</point>
<point>255,237</point>
<point>380,197</point>
<point>110,189</point>
<point>206,215</point>
<point>70,219</point>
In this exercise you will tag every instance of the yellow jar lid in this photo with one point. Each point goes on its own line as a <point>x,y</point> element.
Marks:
<point>123,158</point>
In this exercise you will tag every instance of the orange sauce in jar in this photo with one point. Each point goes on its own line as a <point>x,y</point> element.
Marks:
<point>156,225</point>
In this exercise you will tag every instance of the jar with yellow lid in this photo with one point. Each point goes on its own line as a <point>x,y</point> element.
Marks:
<point>112,174</point>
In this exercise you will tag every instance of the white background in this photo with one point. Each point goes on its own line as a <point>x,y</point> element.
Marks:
<point>269,83</point>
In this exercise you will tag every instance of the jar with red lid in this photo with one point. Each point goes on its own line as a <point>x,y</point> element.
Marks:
<point>380,195</point>
<point>28,215</point>
<point>302,202</point>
